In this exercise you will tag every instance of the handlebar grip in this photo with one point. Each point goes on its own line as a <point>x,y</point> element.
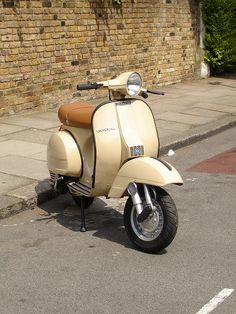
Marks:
<point>144,95</point>
<point>155,92</point>
<point>87,86</point>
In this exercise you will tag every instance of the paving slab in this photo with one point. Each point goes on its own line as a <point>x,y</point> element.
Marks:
<point>174,126</point>
<point>182,87</point>
<point>31,135</point>
<point>3,138</point>
<point>184,118</point>
<point>226,100</point>
<point>40,156</point>
<point>166,132</point>
<point>217,94</point>
<point>11,182</point>
<point>206,94</point>
<point>184,101</point>
<point>53,129</point>
<point>49,115</point>
<point>218,107</point>
<point>158,108</point>
<point>28,122</point>
<point>3,155</point>
<point>25,167</point>
<point>205,113</point>
<point>21,148</point>
<point>229,84</point>
<point>8,129</point>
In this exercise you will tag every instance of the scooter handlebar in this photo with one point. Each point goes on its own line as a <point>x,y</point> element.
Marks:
<point>87,86</point>
<point>155,92</point>
<point>144,94</point>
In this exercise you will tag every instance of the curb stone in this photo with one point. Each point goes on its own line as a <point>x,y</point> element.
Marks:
<point>34,194</point>
<point>10,206</point>
<point>197,134</point>
<point>25,198</point>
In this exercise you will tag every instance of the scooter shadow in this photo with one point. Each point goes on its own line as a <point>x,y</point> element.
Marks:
<point>101,218</point>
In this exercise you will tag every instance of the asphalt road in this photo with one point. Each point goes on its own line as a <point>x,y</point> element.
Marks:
<point>48,266</point>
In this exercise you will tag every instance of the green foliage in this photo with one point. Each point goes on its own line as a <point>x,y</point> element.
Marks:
<point>117,1</point>
<point>219,17</point>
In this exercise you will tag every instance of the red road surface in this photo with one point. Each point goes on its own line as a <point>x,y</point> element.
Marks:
<point>222,163</point>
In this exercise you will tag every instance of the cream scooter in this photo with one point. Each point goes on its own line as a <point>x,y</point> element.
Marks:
<point>112,150</point>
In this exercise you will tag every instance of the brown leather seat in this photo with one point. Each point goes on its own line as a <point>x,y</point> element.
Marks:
<point>78,114</point>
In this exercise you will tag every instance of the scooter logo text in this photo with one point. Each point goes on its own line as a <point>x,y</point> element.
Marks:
<point>105,130</point>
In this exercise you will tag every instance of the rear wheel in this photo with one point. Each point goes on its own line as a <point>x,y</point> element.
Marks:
<point>87,200</point>
<point>158,230</point>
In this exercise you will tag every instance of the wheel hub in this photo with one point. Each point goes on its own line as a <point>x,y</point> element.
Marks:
<point>151,227</point>
<point>151,223</point>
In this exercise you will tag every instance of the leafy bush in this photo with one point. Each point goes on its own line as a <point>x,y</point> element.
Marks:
<point>117,1</point>
<point>219,17</point>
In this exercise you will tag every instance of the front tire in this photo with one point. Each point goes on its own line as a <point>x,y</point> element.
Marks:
<point>156,232</point>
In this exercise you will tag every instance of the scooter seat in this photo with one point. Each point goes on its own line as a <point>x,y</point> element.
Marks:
<point>78,114</point>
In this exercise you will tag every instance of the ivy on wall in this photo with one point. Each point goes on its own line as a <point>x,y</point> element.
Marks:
<point>219,17</point>
<point>119,2</point>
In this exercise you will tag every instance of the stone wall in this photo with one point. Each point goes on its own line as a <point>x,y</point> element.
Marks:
<point>47,46</point>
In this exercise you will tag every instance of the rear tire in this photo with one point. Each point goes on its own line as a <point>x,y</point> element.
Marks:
<point>156,232</point>
<point>87,200</point>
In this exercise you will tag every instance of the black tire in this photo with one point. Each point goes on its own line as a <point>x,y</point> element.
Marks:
<point>87,200</point>
<point>164,222</point>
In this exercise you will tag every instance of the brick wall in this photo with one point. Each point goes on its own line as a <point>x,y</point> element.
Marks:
<point>47,46</point>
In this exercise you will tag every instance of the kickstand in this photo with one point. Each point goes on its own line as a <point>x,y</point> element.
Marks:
<point>82,206</point>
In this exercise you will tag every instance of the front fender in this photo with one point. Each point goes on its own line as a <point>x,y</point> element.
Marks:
<point>146,170</point>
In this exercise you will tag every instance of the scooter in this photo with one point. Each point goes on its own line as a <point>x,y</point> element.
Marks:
<point>112,150</point>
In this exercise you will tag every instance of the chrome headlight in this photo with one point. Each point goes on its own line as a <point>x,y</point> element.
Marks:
<point>134,84</point>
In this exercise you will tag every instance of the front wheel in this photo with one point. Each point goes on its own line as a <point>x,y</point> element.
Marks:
<point>158,230</point>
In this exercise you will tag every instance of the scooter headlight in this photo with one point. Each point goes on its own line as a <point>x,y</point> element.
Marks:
<point>134,84</point>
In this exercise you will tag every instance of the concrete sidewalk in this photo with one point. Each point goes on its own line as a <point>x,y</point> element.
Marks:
<point>188,112</point>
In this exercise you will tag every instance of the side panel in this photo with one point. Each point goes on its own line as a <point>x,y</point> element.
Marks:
<point>63,155</point>
<point>84,139</point>
<point>144,170</point>
<point>108,148</point>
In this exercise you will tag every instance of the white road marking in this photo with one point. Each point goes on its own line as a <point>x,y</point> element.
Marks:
<point>20,223</point>
<point>214,302</point>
